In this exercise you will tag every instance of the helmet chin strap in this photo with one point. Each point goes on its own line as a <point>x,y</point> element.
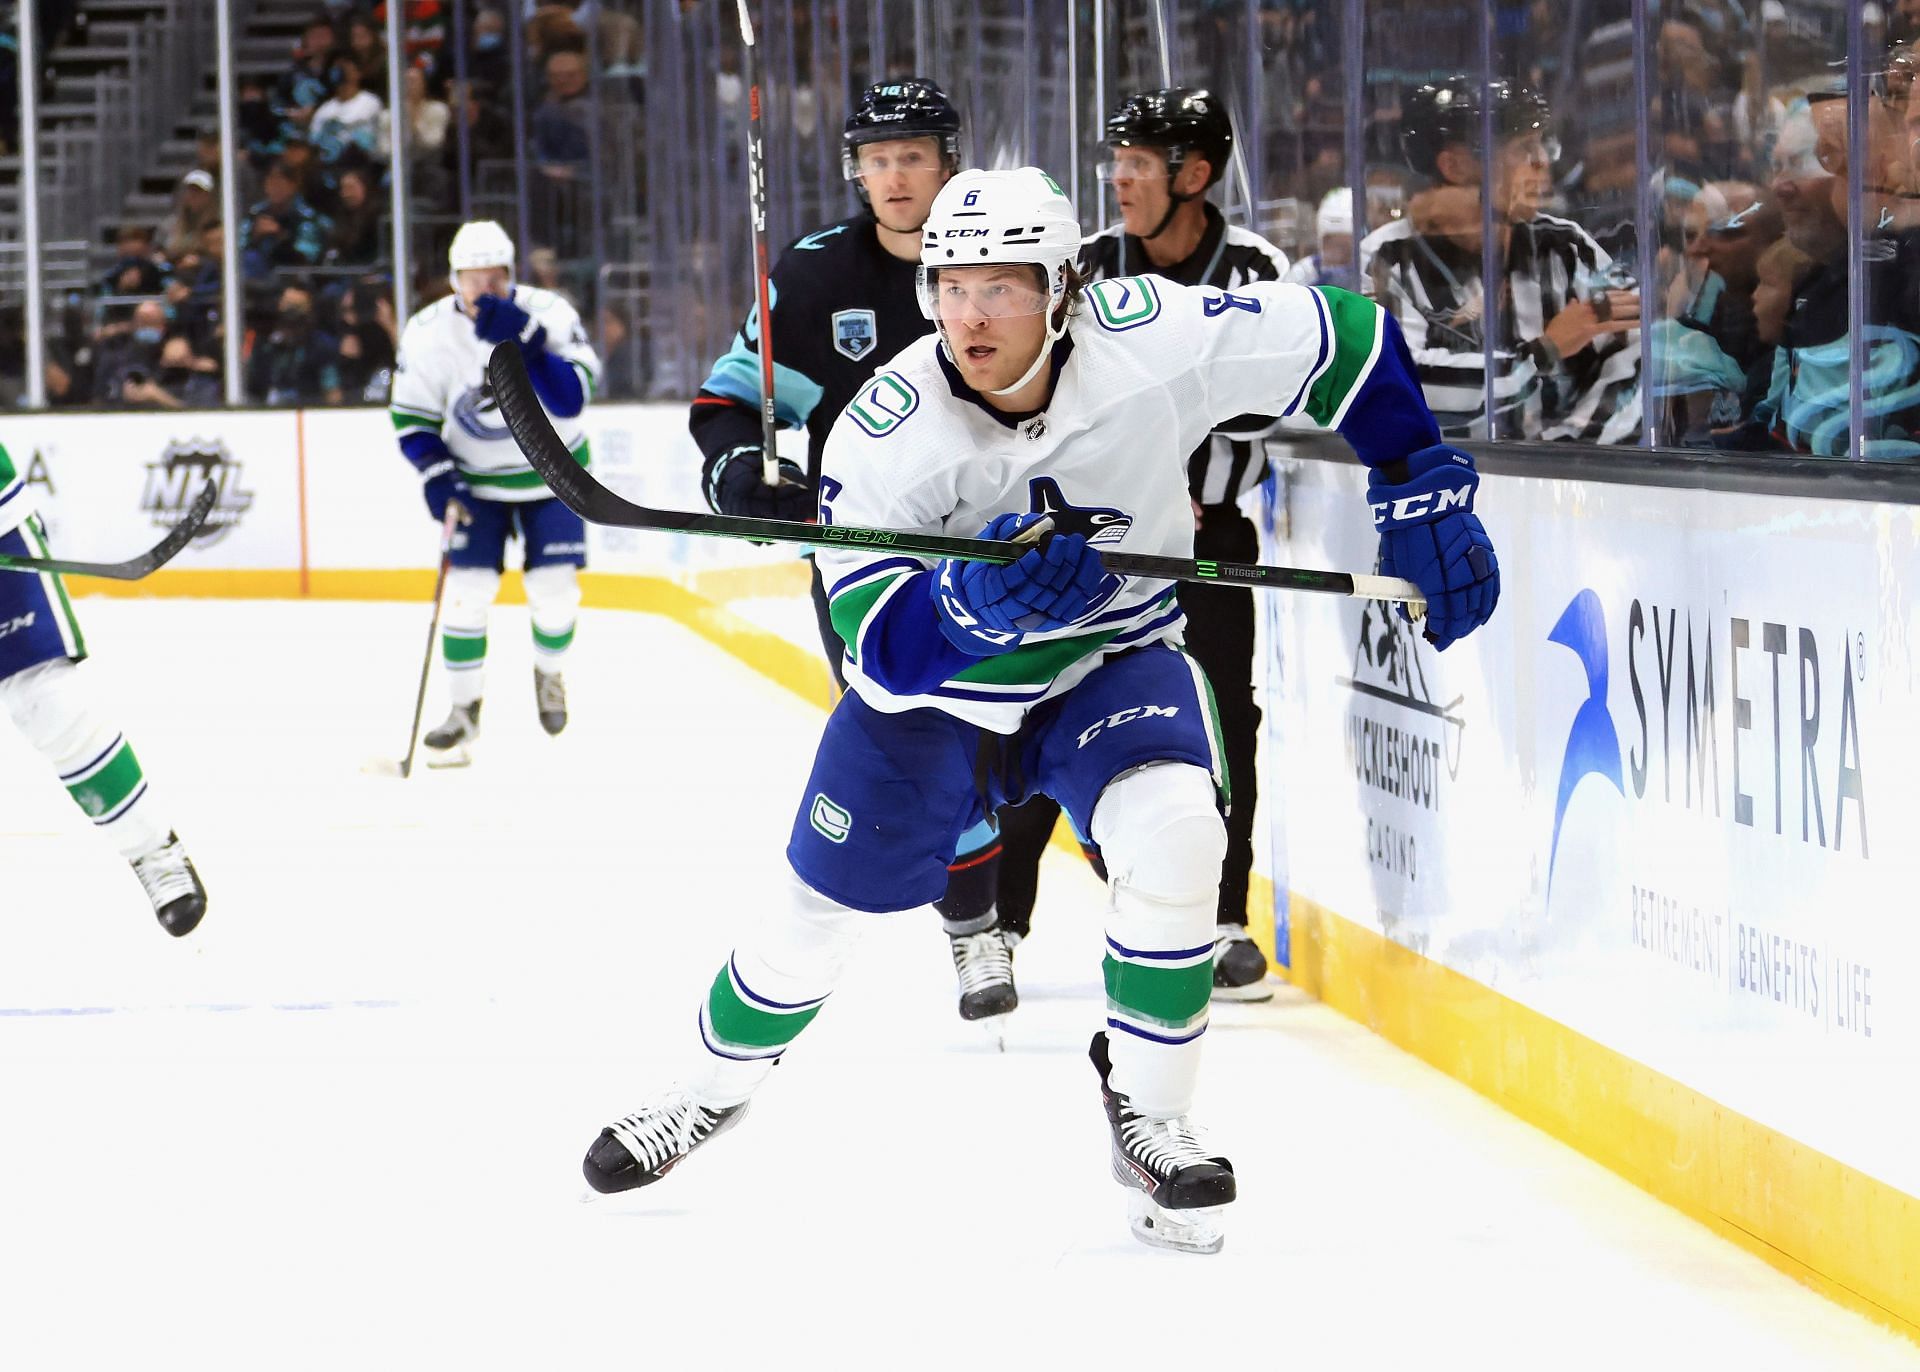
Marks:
<point>1040,358</point>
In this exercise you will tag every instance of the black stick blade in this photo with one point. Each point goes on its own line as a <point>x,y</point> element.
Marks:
<point>134,568</point>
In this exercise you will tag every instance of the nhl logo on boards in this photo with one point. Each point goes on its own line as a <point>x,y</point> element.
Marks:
<point>178,476</point>
<point>854,333</point>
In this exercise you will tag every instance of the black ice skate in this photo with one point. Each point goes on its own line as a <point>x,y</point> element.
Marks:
<point>1239,967</point>
<point>179,900</point>
<point>448,744</point>
<point>1176,1187</point>
<point>653,1140</point>
<point>984,964</point>
<point>550,698</point>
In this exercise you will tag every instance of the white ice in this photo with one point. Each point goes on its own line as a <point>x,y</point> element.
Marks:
<point>341,1125</point>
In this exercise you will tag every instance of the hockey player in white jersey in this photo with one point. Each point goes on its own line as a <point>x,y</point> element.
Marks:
<point>1035,412</point>
<point>451,431</point>
<point>42,690</point>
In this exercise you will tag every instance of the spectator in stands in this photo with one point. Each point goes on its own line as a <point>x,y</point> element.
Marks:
<point>314,178</point>
<point>367,45</point>
<point>295,364</point>
<point>306,87</point>
<point>488,59</point>
<point>424,30</point>
<point>559,133</point>
<point>552,29</point>
<point>489,128</point>
<point>185,381</point>
<point>348,123</point>
<point>259,127</point>
<point>620,370</point>
<point>129,352</point>
<point>354,240</point>
<point>427,119</point>
<point>543,270</point>
<point>282,230</point>
<point>366,348</point>
<point>138,270</point>
<point>196,318</point>
<point>194,208</point>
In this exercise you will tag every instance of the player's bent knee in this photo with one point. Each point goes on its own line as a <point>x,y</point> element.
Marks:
<point>801,943</point>
<point>49,705</point>
<point>553,591</point>
<point>470,593</point>
<point>1160,832</point>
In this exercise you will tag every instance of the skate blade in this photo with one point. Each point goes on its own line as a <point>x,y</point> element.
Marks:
<point>441,760</point>
<point>1252,993</point>
<point>1180,1231</point>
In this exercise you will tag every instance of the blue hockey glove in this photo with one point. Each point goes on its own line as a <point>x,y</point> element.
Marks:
<point>986,608</point>
<point>1430,535</point>
<point>496,318</point>
<point>736,485</point>
<point>443,483</point>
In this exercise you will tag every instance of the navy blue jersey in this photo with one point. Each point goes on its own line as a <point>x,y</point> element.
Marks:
<point>842,307</point>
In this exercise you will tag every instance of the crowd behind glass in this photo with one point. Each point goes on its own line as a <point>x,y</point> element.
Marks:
<point>1670,223</point>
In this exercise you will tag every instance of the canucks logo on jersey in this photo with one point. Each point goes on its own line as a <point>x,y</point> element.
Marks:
<point>479,416</point>
<point>1100,524</point>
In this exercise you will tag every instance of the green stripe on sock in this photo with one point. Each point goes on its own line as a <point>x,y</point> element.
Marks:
<point>735,1021</point>
<point>1356,326</point>
<point>553,643</point>
<point>108,788</point>
<point>464,647</point>
<point>1174,997</point>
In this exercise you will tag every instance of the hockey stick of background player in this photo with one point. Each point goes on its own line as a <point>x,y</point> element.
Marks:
<point>566,478</point>
<point>757,183</point>
<point>433,632</point>
<point>156,557</point>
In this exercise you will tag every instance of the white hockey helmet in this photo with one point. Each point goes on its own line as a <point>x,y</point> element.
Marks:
<point>984,218</point>
<point>1336,213</point>
<point>482,243</point>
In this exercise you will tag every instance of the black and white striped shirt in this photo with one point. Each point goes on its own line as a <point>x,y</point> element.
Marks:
<point>1233,460</point>
<point>1432,285</point>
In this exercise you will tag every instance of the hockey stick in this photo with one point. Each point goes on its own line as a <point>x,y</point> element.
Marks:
<point>534,435</point>
<point>156,557</point>
<point>757,182</point>
<point>433,632</point>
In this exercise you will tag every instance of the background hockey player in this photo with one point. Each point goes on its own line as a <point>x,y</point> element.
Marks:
<point>1566,353</point>
<point>971,684</point>
<point>844,303</point>
<point>1165,148</point>
<point>40,687</point>
<point>452,433</point>
<point>1332,263</point>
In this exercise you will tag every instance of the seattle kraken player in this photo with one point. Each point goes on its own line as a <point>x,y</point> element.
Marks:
<point>844,303</point>
<point>450,430</point>
<point>972,684</point>
<point>1165,148</point>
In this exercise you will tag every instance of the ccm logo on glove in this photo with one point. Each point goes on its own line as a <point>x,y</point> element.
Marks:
<point>1424,505</point>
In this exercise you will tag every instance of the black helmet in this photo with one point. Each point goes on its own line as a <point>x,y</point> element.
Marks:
<point>1179,119</point>
<point>909,108</point>
<point>1434,116</point>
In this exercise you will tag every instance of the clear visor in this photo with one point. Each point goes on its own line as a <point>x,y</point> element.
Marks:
<point>956,295</point>
<point>1131,164</point>
<point>885,159</point>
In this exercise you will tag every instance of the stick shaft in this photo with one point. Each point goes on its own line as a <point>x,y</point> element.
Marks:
<point>433,634</point>
<point>762,290</point>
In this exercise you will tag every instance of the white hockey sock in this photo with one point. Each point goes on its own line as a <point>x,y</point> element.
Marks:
<point>553,598</point>
<point>49,703</point>
<point>771,988</point>
<point>463,630</point>
<point>1163,840</point>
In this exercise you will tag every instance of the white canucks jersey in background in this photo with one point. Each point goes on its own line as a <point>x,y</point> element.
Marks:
<point>16,498</point>
<point>437,384</point>
<point>1155,367</point>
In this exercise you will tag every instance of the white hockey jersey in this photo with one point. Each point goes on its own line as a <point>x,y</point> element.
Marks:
<point>1154,367</point>
<point>16,498</point>
<point>437,387</point>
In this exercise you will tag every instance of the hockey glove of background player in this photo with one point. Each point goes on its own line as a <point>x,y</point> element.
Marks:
<point>496,318</point>
<point>440,479</point>
<point>734,487</point>
<point>1430,535</point>
<point>986,608</point>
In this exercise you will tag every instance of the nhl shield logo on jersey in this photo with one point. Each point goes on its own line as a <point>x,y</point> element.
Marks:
<point>854,333</point>
<point>1100,524</point>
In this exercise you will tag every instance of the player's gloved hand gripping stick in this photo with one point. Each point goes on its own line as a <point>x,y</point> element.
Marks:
<point>133,568</point>
<point>545,453</point>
